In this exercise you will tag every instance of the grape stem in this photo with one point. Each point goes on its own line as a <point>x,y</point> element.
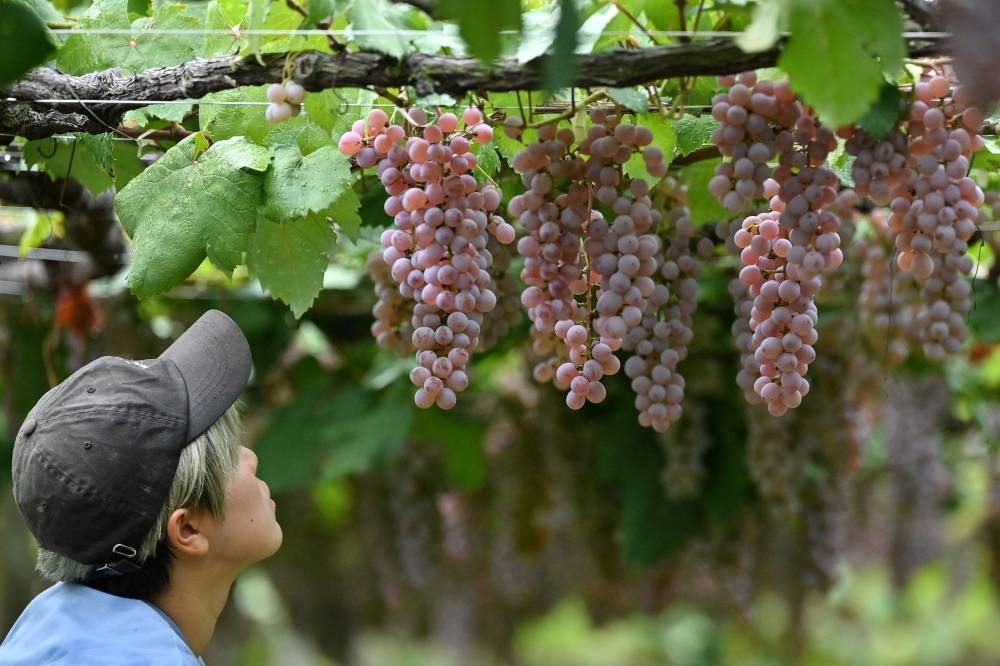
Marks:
<point>395,99</point>
<point>571,110</point>
<point>639,25</point>
<point>586,258</point>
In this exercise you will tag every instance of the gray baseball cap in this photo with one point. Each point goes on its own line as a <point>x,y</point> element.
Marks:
<point>96,456</point>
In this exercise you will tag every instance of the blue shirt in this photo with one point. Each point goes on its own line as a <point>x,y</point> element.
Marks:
<point>74,625</point>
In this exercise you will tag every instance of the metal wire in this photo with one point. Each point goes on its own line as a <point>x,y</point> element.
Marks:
<point>348,32</point>
<point>199,102</point>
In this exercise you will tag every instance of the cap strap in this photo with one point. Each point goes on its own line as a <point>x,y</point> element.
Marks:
<point>121,567</point>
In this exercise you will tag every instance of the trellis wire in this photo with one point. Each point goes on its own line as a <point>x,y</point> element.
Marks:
<point>202,101</point>
<point>348,32</point>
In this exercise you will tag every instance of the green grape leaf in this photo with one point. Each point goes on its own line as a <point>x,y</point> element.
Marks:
<point>693,132</point>
<point>883,114</point>
<point>560,65</point>
<point>593,27</point>
<point>25,41</point>
<point>538,35</point>
<point>289,258</point>
<point>300,184</point>
<point>630,461</point>
<point>842,164</point>
<point>42,225</point>
<point>45,10</point>
<point>489,161</point>
<point>143,48</point>
<point>336,110</point>
<point>222,121</point>
<point>509,147</point>
<point>256,20</point>
<point>831,56</point>
<point>172,113</point>
<point>879,28</point>
<point>320,9</point>
<point>301,133</point>
<point>339,430</point>
<point>379,16</point>
<point>223,15</point>
<point>660,15</point>
<point>664,138</point>
<point>480,23</point>
<point>344,213</point>
<point>631,98</point>
<point>183,208</point>
<point>127,165</point>
<point>84,158</point>
<point>461,438</point>
<point>982,319</point>
<point>268,15</point>
<point>705,208</point>
<point>769,18</point>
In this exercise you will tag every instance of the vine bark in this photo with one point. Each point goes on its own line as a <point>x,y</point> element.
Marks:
<point>23,115</point>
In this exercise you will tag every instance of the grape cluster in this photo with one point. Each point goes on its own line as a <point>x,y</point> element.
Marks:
<point>783,315</point>
<point>684,447</point>
<point>507,313</point>
<point>436,250</point>
<point>935,218</point>
<point>392,328</point>
<point>775,460</point>
<point>883,303</point>
<point>579,194</point>
<point>937,215</point>
<point>784,251</point>
<point>285,101</point>
<point>659,340</point>
<point>750,114</point>
<point>881,168</point>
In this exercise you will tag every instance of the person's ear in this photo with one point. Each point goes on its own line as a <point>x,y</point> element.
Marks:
<point>186,533</point>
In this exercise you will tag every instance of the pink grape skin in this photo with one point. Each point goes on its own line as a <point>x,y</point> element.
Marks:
<point>276,93</point>
<point>294,93</point>
<point>377,119</point>
<point>472,116</point>
<point>484,134</point>
<point>350,143</point>
<point>448,122</point>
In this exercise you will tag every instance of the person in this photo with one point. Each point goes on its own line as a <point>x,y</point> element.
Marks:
<point>145,505</point>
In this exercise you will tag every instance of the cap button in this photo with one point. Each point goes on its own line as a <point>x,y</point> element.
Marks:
<point>29,427</point>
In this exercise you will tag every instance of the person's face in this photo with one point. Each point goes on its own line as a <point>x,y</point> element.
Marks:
<point>249,531</point>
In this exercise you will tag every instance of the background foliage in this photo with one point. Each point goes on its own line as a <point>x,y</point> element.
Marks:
<point>508,530</point>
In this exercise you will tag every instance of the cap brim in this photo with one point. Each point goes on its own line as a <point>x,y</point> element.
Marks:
<point>214,358</point>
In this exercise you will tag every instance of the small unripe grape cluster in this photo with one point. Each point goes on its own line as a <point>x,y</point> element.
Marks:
<point>581,194</point>
<point>285,101</point>
<point>751,116</point>
<point>437,249</point>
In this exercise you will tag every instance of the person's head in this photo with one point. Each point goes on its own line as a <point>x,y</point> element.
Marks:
<point>127,469</point>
